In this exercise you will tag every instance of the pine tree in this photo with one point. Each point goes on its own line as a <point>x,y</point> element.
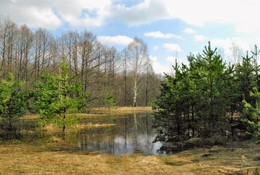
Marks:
<point>253,114</point>
<point>173,107</point>
<point>195,101</point>
<point>12,100</point>
<point>56,97</point>
<point>246,80</point>
<point>211,76</point>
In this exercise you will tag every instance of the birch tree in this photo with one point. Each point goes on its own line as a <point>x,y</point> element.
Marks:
<point>139,59</point>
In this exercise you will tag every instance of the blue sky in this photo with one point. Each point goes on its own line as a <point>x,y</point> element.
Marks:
<point>172,29</point>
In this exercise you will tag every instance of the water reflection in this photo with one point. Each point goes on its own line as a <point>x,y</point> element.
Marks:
<point>122,135</point>
<point>130,134</point>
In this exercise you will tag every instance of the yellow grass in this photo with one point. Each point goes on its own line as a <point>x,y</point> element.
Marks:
<point>91,125</point>
<point>103,111</point>
<point>30,117</point>
<point>21,158</point>
<point>121,110</point>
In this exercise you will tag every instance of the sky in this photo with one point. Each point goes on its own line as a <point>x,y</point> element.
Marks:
<point>172,29</point>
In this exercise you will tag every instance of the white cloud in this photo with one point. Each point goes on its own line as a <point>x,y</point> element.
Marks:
<point>155,48</point>
<point>158,34</point>
<point>29,14</point>
<point>142,13</point>
<point>226,46</point>
<point>89,13</point>
<point>115,40</point>
<point>158,67</point>
<point>161,66</point>
<point>52,14</point>
<point>171,60</point>
<point>199,38</point>
<point>195,13</point>
<point>239,13</point>
<point>189,30</point>
<point>229,12</point>
<point>172,47</point>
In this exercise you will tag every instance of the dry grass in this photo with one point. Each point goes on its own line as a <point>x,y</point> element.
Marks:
<point>121,110</point>
<point>21,158</point>
<point>30,117</point>
<point>102,111</point>
<point>92,125</point>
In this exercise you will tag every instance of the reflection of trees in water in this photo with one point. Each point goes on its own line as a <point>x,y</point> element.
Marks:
<point>21,129</point>
<point>130,134</point>
<point>96,139</point>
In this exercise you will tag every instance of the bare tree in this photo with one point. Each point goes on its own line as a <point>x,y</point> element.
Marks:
<point>70,44</point>
<point>44,42</point>
<point>138,56</point>
<point>24,45</point>
<point>103,72</point>
<point>86,47</point>
<point>8,38</point>
<point>125,72</point>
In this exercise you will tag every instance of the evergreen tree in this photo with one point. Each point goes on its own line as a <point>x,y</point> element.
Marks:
<point>241,84</point>
<point>246,80</point>
<point>12,100</point>
<point>56,97</point>
<point>210,76</point>
<point>109,99</point>
<point>253,114</point>
<point>196,100</point>
<point>173,106</point>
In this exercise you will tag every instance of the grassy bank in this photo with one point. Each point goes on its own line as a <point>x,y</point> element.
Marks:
<point>21,158</point>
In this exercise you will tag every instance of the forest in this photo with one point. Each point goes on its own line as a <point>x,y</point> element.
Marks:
<point>52,76</point>
<point>125,76</point>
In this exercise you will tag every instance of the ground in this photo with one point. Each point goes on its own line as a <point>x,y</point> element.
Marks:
<point>18,157</point>
<point>22,158</point>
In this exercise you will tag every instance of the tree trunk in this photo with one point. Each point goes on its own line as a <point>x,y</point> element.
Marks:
<point>135,93</point>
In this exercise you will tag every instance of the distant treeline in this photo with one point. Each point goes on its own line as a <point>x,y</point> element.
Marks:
<point>108,76</point>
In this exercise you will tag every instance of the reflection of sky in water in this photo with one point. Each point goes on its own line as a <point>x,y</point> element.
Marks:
<point>143,144</point>
<point>129,135</point>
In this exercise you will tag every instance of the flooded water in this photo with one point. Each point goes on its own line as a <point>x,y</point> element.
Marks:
<point>115,135</point>
<point>129,134</point>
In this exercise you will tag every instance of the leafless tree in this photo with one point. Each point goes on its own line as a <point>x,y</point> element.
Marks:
<point>24,46</point>
<point>43,43</point>
<point>103,72</point>
<point>8,40</point>
<point>139,60</point>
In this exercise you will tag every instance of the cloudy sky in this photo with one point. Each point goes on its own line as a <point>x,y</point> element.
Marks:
<point>171,28</point>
